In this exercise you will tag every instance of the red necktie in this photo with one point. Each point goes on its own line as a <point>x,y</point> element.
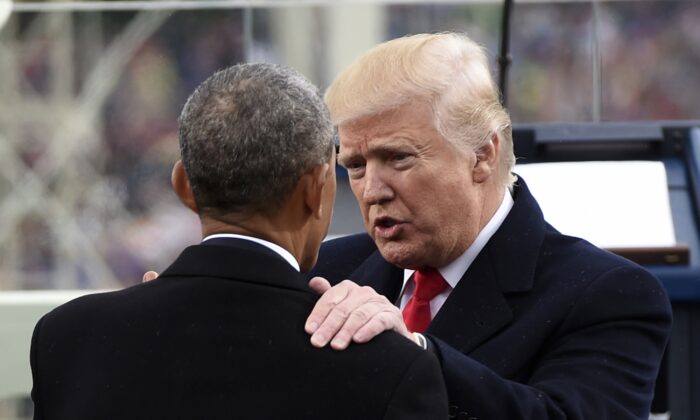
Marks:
<point>429,283</point>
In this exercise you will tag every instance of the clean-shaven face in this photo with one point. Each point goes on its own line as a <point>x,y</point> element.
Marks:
<point>415,190</point>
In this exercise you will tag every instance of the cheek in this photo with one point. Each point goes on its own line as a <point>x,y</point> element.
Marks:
<point>448,206</point>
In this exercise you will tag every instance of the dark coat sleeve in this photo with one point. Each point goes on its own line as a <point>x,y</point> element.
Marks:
<point>421,394</point>
<point>601,364</point>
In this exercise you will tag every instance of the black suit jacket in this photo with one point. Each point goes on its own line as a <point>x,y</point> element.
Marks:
<point>541,326</point>
<point>220,334</point>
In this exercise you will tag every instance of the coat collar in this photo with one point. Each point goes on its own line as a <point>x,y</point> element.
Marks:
<point>478,307</point>
<point>515,247</point>
<point>237,260</point>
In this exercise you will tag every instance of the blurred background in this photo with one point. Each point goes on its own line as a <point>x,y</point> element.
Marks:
<point>90,93</point>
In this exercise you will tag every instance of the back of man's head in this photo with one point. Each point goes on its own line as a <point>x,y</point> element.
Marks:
<point>447,70</point>
<point>247,134</point>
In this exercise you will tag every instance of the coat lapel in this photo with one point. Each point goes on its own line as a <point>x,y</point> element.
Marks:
<point>474,311</point>
<point>478,307</point>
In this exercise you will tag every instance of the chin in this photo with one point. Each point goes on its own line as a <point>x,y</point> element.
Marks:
<point>399,256</point>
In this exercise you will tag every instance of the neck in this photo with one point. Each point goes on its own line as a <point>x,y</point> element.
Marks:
<point>492,201</point>
<point>267,228</point>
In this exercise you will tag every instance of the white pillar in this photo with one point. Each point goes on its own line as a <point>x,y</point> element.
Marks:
<point>295,37</point>
<point>351,30</point>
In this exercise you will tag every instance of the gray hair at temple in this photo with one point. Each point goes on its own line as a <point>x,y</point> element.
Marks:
<point>447,69</point>
<point>247,135</point>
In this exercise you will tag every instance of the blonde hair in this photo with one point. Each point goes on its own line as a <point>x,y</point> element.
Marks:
<point>447,69</point>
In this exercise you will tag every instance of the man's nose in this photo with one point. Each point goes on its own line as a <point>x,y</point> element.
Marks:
<point>376,190</point>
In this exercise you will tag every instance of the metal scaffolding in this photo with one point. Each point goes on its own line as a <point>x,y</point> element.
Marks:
<point>65,179</point>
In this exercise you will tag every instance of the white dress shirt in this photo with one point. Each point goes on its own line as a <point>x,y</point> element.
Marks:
<point>454,271</point>
<point>273,247</point>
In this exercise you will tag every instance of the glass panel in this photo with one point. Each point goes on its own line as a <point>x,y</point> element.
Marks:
<point>651,59</point>
<point>480,21</point>
<point>551,76</point>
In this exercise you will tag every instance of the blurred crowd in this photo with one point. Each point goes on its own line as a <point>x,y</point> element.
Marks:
<point>124,210</point>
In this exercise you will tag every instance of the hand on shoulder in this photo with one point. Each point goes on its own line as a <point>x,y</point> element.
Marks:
<point>349,312</point>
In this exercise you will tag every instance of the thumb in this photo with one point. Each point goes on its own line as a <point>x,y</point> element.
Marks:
<point>319,285</point>
<point>149,275</point>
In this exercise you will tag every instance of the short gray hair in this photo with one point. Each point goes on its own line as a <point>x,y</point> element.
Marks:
<point>248,133</point>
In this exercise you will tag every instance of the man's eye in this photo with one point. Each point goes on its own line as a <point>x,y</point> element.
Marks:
<point>355,165</point>
<point>400,158</point>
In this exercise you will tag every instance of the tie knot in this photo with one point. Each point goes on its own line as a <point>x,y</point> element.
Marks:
<point>429,283</point>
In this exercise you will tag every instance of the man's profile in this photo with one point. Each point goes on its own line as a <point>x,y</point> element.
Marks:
<point>220,334</point>
<point>528,323</point>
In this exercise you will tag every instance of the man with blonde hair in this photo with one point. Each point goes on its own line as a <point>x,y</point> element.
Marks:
<point>528,323</point>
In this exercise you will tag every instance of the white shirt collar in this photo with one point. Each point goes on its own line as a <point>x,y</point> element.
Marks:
<point>274,247</point>
<point>454,271</point>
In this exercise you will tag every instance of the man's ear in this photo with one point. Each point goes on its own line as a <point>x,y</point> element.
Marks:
<point>487,159</point>
<point>313,195</point>
<point>182,187</point>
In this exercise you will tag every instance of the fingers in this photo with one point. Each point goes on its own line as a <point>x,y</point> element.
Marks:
<point>319,285</point>
<point>323,307</point>
<point>387,319</point>
<point>347,312</point>
<point>365,322</point>
<point>149,275</point>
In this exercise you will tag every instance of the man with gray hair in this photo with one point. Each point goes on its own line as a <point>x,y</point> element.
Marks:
<point>220,334</point>
<point>528,323</point>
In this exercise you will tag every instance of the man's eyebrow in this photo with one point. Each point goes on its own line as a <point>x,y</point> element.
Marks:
<point>389,147</point>
<point>374,150</point>
<point>344,158</point>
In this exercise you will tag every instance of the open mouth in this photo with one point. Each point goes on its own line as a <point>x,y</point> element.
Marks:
<point>385,222</point>
<point>387,228</point>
